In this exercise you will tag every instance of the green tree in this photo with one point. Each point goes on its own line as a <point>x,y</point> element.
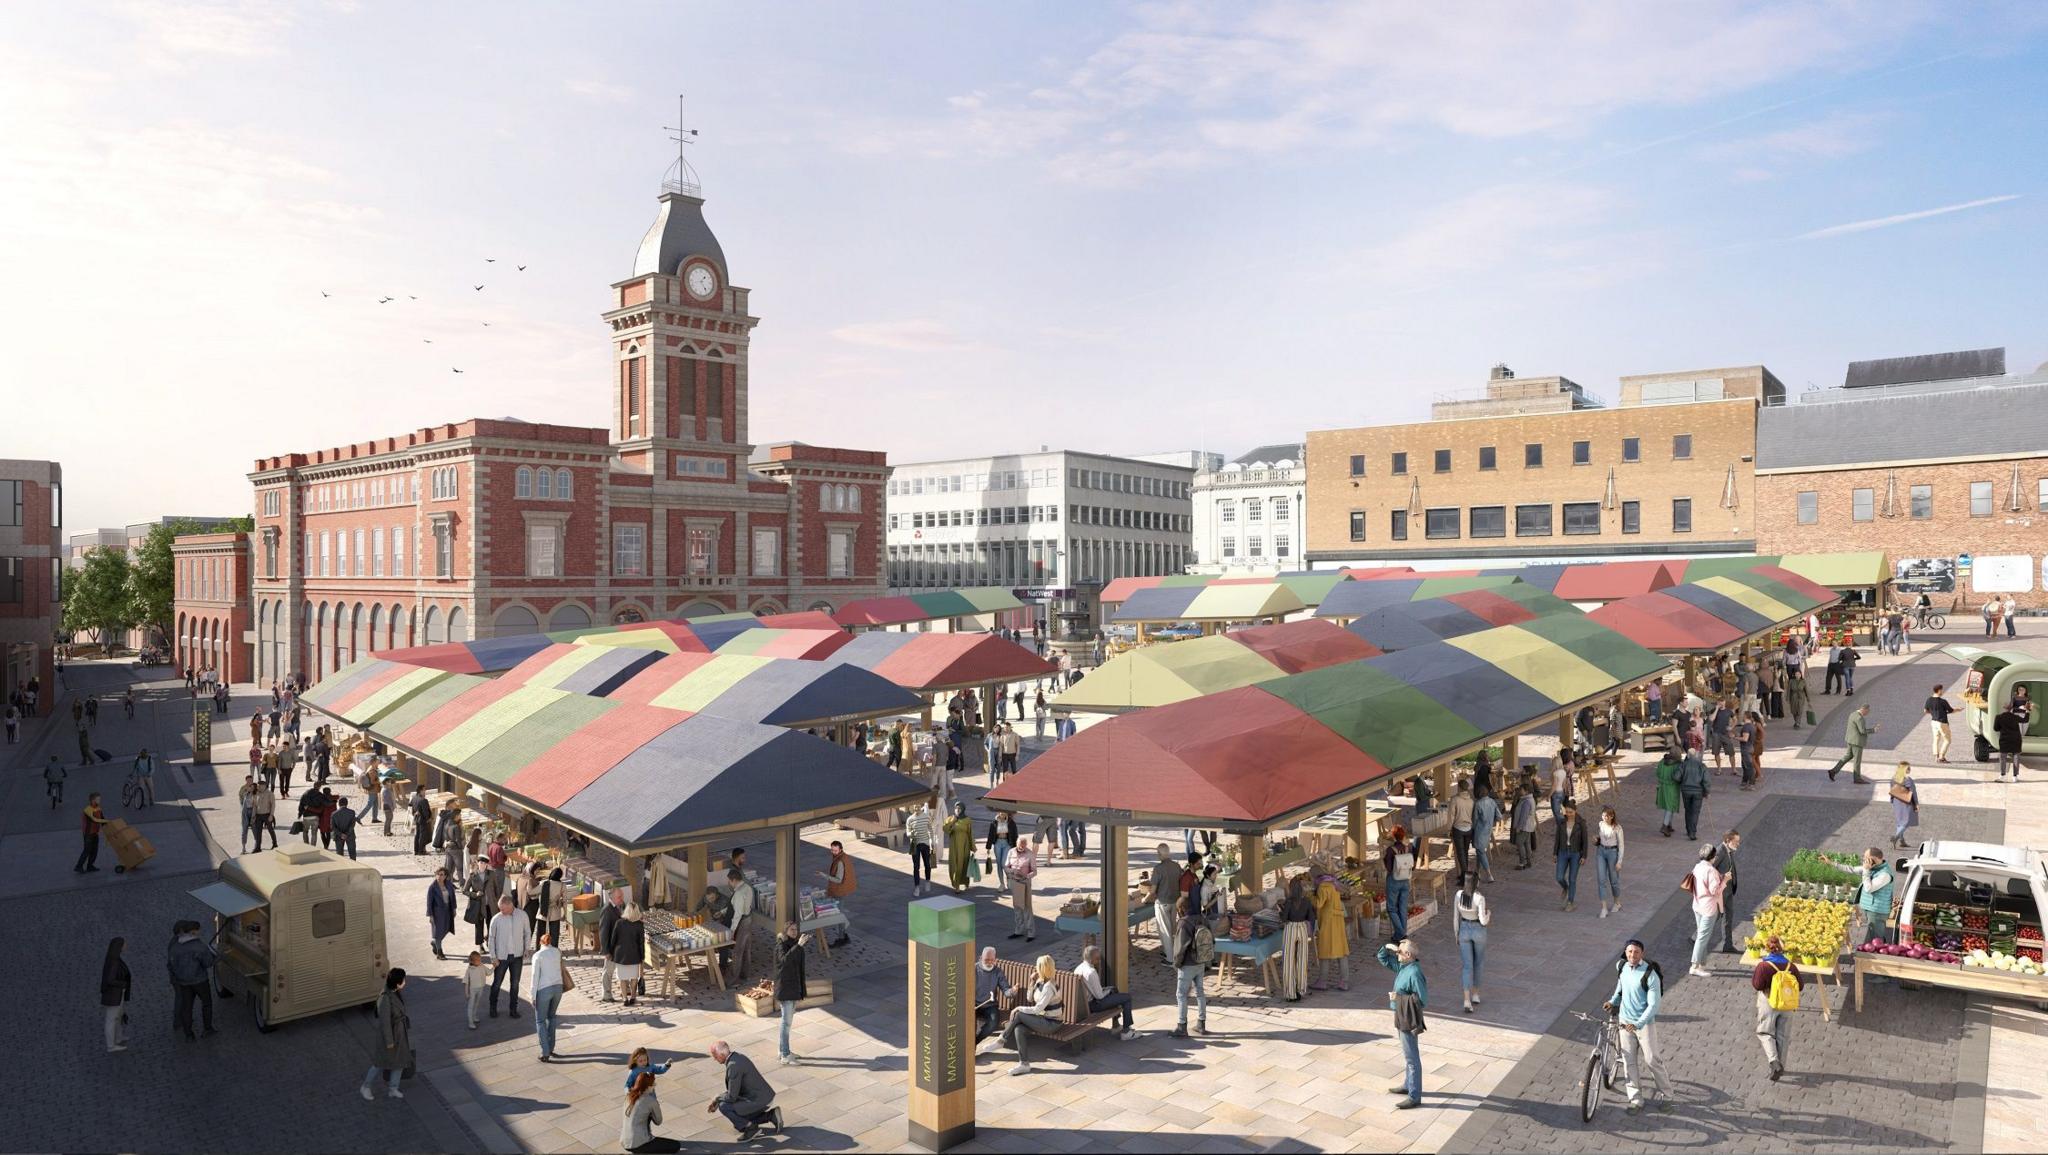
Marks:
<point>152,580</point>
<point>96,596</point>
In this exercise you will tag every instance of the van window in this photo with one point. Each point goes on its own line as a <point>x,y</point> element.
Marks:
<point>330,918</point>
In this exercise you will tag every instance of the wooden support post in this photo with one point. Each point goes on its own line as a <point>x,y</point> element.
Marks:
<point>699,859</point>
<point>1355,827</point>
<point>786,885</point>
<point>1691,673</point>
<point>1564,731</point>
<point>1251,863</point>
<point>1510,763</point>
<point>940,980</point>
<point>1440,782</point>
<point>631,865</point>
<point>1116,903</point>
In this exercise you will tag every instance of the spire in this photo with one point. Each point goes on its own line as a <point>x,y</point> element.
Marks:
<point>681,178</point>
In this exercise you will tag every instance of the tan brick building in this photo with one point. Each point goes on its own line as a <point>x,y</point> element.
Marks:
<point>1928,477</point>
<point>1544,472</point>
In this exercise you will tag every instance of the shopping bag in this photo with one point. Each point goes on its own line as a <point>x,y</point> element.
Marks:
<point>973,869</point>
<point>1809,717</point>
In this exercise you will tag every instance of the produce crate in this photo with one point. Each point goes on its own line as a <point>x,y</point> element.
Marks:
<point>2004,926</point>
<point>758,1001</point>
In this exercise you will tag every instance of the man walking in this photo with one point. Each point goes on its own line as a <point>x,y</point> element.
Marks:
<point>1795,692</point>
<point>1833,683</point>
<point>1165,893</point>
<point>1637,991</point>
<point>422,821</point>
<point>191,966</point>
<point>1860,727</point>
<point>53,781</point>
<point>1720,732</point>
<point>509,939</point>
<point>1938,709</point>
<point>1849,659</point>
<point>1692,791</point>
<point>1773,1029</point>
<point>343,825</point>
<point>145,777</point>
<point>747,1101</point>
<point>1013,744</point>
<point>607,934</point>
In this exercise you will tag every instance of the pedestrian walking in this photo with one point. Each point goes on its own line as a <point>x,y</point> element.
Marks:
<point>548,982</point>
<point>1994,612</point>
<point>13,717</point>
<point>476,987</point>
<point>1832,684</point>
<point>1905,799</point>
<point>918,829</point>
<point>1194,946</point>
<point>745,903</point>
<point>1333,936</point>
<point>116,984</point>
<point>54,775</point>
<point>89,822</point>
<point>190,963</point>
<point>2011,730</point>
<point>2012,616</point>
<point>790,986</point>
<point>1474,915</point>
<point>1795,695</point>
<point>1850,657</point>
<point>509,939</point>
<point>960,858</point>
<point>1874,896</point>
<point>1609,847</point>
<point>422,821</point>
<point>440,910</point>
<point>1704,884</point>
<point>1777,981</point>
<point>1857,737</point>
<point>1297,928</point>
<point>341,822</point>
<point>1002,839</point>
<point>1023,874</point>
<point>1569,850</point>
<point>1397,862</point>
<point>840,881</point>
<point>393,1056</point>
<point>1076,843</point>
<point>1726,861</point>
<point>747,1101</point>
<point>1638,990</point>
<point>1462,804</point>
<point>1938,708</point>
<point>1485,819</point>
<point>1408,1000</point>
<point>1668,769</point>
<point>629,951</point>
<point>387,798</point>
<point>1522,827</point>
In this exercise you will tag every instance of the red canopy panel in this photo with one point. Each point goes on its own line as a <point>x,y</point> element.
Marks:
<point>646,685</point>
<point>1241,756</point>
<point>1492,608</point>
<point>1309,644</point>
<point>802,643</point>
<point>452,713</point>
<point>454,657</point>
<point>1120,589</point>
<point>524,672</point>
<point>367,686</point>
<point>927,661</point>
<point>1663,624</point>
<point>1807,586</point>
<point>586,755</point>
<point>881,612</point>
<point>800,620</point>
<point>1370,573</point>
<point>1612,581</point>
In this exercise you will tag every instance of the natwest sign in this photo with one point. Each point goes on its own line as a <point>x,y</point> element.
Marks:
<point>1042,594</point>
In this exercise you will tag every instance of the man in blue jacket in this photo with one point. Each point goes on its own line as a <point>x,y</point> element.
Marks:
<point>1638,988</point>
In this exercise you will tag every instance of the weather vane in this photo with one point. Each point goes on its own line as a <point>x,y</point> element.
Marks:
<point>681,177</point>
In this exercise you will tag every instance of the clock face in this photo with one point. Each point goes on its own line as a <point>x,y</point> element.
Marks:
<point>700,281</point>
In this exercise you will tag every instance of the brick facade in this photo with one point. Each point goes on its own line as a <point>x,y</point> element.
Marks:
<point>32,553</point>
<point>212,625</point>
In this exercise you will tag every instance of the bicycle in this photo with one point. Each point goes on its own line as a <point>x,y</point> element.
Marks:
<point>1605,1067</point>
<point>1929,620</point>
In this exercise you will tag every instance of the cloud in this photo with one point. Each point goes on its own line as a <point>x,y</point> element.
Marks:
<point>599,91</point>
<point>1187,85</point>
<point>1755,158</point>
<point>172,35</point>
<point>1873,223</point>
<point>921,335</point>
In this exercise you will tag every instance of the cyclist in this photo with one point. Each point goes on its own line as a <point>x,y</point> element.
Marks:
<point>1922,606</point>
<point>1638,988</point>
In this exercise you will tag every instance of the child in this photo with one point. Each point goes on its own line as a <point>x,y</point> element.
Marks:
<point>640,1063</point>
<point>476,982</point>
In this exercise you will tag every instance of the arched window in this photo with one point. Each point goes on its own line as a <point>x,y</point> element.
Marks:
<point>432,633</point>
<point>513,621</point>
<point>458,625</point>
<point>569,617</point>
<point>853,498</point>
<point>831,499</point>
<point>522,485</point>
<point>562,484</point>
<point>401,636</point>
<point>544,486</point>
<point>376,642</point>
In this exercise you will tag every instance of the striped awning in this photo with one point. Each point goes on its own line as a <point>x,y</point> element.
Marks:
<point>937,605</point>
<point>1216,602</point>
<point>1715,612</point>
<point>1156,675</point>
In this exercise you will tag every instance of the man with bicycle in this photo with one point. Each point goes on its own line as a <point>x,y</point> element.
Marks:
<point>1638,988</point>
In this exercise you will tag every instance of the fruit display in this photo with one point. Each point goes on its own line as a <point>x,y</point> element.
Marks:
<point>1978,920</point>
<point>1811,929</point>
<point>2000,960</point>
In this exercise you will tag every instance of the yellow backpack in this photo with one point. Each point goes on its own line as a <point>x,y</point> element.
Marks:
<point>1784,994</point>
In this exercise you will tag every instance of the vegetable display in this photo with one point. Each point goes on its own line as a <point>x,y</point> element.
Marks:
<point>1821,868</point>
<point>1811,929</point>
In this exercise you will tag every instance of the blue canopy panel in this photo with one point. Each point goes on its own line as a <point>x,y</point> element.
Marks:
<point>710,774</point>
<point>1354,599</point>
<point>610,670</point>
<point>1411,624</point>
<point>1491,699</point>
<point>1726,608</point>
<point>1158,604</point>
<point>496,655</point>
<point>869,649</point>
<point>1543,577</point>
<point>790,692</point>
<point>716,634</point>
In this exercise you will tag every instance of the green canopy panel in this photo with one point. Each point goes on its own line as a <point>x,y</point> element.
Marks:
<point>1387,718</point>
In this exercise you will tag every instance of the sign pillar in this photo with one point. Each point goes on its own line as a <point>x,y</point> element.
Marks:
<point>202,733</point>
<point>941,1107</point>
<point>1510,769</point>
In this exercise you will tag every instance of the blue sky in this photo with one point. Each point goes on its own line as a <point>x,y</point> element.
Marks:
<point>972,227</point>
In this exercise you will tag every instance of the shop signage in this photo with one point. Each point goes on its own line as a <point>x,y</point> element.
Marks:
<point>941,979</point>
<point>1042,594</point>
<point>944,1048</point>
<point>1924,575</point>
<point>202,732</point>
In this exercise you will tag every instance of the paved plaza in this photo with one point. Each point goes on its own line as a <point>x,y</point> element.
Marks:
<point>1306,1076</point>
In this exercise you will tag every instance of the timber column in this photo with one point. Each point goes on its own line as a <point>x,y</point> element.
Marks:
<point>941,1107</point>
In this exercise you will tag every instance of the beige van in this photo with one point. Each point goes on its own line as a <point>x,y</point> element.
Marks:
<point>301,931</point>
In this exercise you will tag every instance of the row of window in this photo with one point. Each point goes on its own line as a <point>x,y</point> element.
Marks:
<point>1482,521</point>
<point>1132,483</point>
<point>839,498</point>
<point>205,579</point>
<point>1919,502</point>
<point>1532,455</point>
<point>370,493</point>
<point>543,483</point>
<point>1254,509</point>
<point>700,551</point>
<point>14,579</point>
<point>11,514</point>
<point>1044,514</point>
<point>359,553</point>
<point>1255,547</point>
<point>1028,563</point>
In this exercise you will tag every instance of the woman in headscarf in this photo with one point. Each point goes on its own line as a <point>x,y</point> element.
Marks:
<point>959,846</point>
<point>114,986</point>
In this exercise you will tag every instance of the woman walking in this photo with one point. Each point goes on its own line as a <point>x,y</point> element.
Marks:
<point>1398,860</point>
<point>547,994</point>
<point>1773,1029</point>
<point>115,985</point>
<point>1023,869</point>
<point>1297,920</point>
<point>1002,838</point>
<point>959,831</point>
<point>553,903</point>
<point>1568,847</point>
<point>629,950</point>
<point>1705,885</point>
<point>440,909</point>
<point>1333,938</point>
<point>1407,1000</point>
<point>1668,768</point>
<point>394,1036</point>
<point>1905,803</point>
<point>1474,915</point>
<point>1608,848</point>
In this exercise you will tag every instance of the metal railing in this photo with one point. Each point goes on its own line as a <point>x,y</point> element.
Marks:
<point>1837,394</point>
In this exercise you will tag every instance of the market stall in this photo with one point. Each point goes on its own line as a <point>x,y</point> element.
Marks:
<point>1210,608</point>
<point>977,608</point>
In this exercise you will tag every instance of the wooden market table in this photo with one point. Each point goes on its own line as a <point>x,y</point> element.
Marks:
<point>674,956</point>
<point>1263,951</point>
<point>1983,980</point>
<point>1078,924</point>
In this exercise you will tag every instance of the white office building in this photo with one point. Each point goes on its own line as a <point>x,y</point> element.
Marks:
<point>1039,523</point>
<point>1248,514</point>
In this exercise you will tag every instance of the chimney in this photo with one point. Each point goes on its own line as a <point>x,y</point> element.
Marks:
<point>1501,372</point>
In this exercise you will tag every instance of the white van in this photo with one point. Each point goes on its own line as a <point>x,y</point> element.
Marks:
<point>2003,881</point>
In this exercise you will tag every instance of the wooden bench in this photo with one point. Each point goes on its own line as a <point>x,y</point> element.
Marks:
<point>1074,1019</point>
<point>883,826</point>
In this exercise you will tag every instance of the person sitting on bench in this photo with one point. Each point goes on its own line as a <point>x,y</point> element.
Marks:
<point>990,986</point>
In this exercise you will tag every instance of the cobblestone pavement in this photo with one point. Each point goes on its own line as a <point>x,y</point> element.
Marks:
<point>1885,1079</point>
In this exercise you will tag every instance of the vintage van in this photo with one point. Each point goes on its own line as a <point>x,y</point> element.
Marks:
<point>301,931</point>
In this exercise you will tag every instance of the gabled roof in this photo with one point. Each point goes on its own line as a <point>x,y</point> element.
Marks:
<point>927,662</point>
<point>937,605</point>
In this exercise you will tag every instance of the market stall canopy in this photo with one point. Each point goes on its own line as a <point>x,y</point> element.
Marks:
<point>1400,625</point>
<point>1260,756</point>
<point>1155,675</point>
<point>937,605</point>
<point>754,688</point>
<point>1612,580</point>
<point>1311,586</point>
<point>1120,589</point>
<point>1716,612</point>
<point>370,689</point>
<point>1992,659</point>
<point>1356,598</point>
<point>1858,569</point>
<point>926,662</point>
<point>1211,603</point>
<point>693,635</point>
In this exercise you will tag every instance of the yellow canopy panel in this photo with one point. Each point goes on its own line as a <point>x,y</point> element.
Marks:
<point>1239,603</point>
<point>1762,603</point>
<point>1853,570</point>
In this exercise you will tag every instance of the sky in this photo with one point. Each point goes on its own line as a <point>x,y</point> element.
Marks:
<point>981,228</point>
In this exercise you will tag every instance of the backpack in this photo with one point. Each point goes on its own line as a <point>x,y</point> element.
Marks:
<point>1784,995</point>
<point>1205,945</point>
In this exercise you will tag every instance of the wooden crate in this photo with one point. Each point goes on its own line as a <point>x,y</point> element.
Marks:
<point>763,1006</point>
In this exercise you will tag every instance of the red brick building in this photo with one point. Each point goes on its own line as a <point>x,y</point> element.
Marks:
<point>211,621</point>
<point>31,570</point>
<point>496,527</point>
